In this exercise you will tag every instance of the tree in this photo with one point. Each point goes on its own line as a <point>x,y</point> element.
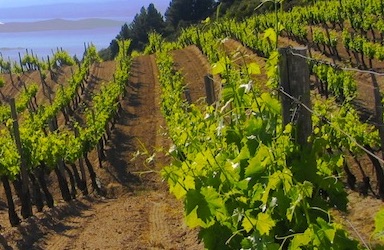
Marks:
<point>155,21</point>
<point>148,20</point>
<point>184,12</point>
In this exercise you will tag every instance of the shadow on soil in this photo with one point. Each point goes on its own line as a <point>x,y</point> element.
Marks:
<point>34,230</point>
<point>122,142</point>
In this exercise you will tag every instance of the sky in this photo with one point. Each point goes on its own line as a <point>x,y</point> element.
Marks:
<point>20,3</point>
<point>26,9</point>
<point>34,10</point>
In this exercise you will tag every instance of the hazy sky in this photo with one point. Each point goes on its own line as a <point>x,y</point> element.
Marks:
<point>11,3</point>
<point>19,3</point>
<point>20,10</point>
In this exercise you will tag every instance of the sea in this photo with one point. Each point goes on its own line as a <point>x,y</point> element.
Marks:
<point>44,43</point>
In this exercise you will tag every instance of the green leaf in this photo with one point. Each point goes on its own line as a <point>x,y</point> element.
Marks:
<point>288,128</point>
<point>326,235</point>
<point>271,35</point>
<point>246,243</point>
<point>298,193</point>
<point>301,239</point>
<point>197,210</point>
<point>243,155</point>
<point>207,204</point>
<point>264,223</point>
<point>379,225</point>
<point>253,69</point>
<point>192,220</point>
<point>273,182</point>
<point>242,185</point>
<point>259,162</point>
<point>340,161</point>
<point>306,189</point>
<point>248,223</point>
<point>212,197</point>
<point>206,21</point>
<point>178,191</point>
<point>189,182</point>
<point>272,103</point>
<point>218,67</point>
<point>280,27</point>
<point>330,234</point>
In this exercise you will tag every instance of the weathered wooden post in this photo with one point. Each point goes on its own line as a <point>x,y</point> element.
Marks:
<point>380,121</point>
<point>209,89</point>
<point>294,81</point>
<point>187,94</point>
<point>21,63</point>
<point>26,207</point>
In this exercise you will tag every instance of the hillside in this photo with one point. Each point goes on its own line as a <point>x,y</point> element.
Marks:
<point>206,132</point>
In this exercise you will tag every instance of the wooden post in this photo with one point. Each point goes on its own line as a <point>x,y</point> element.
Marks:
<point>21,63</point>
<point>98,147</point>
<point>83,184</point>
<point>10,71</point>
<point>13,217</point>
<point>294,80</point>
<point>209,89</point>
<point>26,207</point>
<point>378,110</point>
<point>380,128</point>
<point>187,94</point>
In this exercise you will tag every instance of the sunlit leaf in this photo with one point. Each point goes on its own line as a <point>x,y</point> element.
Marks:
<point>259,162</point>
<point>264,223</point>
<point>379,225</point>
<point>271,35</point>
<point>301,239</point>
<point>253,69</point>
<point>248,223</point>
<point>207,20</point>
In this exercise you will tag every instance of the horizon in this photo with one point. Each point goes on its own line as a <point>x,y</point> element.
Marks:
<point>42,39</point>
<point>6,4</point>
<point>29,11</point>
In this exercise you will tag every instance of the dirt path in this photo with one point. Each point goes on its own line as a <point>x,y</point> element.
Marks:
<point>138,212</point>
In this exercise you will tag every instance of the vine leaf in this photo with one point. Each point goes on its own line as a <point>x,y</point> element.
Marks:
<point>203,206</point>
<point>178,191</point>
<point>248,223</point>
<point>253,69</point>
<point>259,162</point>
<point>219,67</point>
<point>301,239</point>
<point>379,225</point>
<point>264,223</point>
<point>271,35</point>
<point>298,193</point>
<point>272,103</point>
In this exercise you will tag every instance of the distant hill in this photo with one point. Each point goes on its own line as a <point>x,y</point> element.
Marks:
<point>59,24</point>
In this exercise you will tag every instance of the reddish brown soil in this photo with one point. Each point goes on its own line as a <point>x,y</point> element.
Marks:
<point>137,211</point>
<point>194,67</point>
